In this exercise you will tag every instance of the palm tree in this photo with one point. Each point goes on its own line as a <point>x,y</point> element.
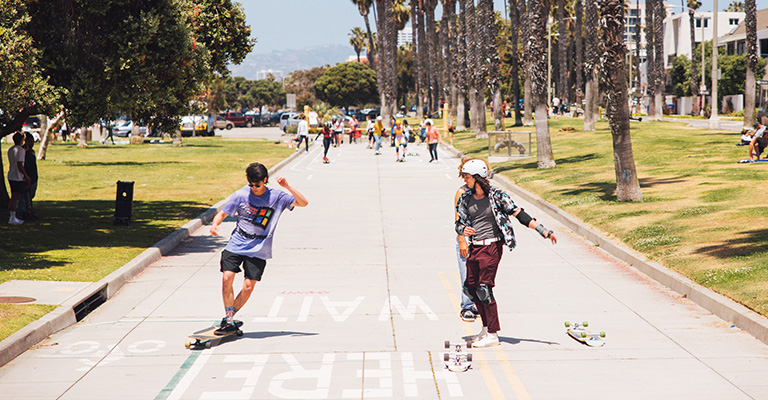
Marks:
<point>488,20</point>
<point>738,6</point>
<point>431,56</point>
<point>578,47</point>
<point>401,14</point>
<point>448,28</point>
<point>514,35</point>
<point>463,78</point>
<point>658,47</point>
<point>562,60</point>
<point>357,40</point>
<point>650,57</point>
<point>537,37</point>
<point>615,79</point>
<point>524,12</point>
<point>591,65</point>
<point>692,6</point>
<point>364,7</point>
<point>416,20</point>
<point>750,23</point>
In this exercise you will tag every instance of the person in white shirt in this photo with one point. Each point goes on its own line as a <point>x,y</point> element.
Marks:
<point>313,120</point>
<point>303,133</point>
<point>369,130</point>
<point>17,175</point>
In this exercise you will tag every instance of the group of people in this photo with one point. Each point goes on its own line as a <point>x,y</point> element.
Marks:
<point>483,215</point>
<point>757,141</point>
<point>401,135</point>
<point>22,178</point>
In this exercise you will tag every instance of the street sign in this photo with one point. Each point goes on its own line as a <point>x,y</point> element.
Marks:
<point>290,99</point>
<point>762,82</point>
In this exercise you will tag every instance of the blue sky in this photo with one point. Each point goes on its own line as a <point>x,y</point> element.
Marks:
<point>296,24</point>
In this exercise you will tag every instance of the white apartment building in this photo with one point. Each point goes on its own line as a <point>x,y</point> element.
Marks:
<point>405,36</point>
<point>677,34</point>
<point>735,42</point>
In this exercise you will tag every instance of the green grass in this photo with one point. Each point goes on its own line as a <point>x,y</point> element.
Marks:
<point>702,213</point>
<point>75,238</point>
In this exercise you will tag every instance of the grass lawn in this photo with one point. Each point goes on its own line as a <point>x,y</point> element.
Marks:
<point>75,239</point>
<point>702,213</point>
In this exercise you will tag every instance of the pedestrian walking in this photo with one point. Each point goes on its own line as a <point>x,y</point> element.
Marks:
<point>302,132</point>
<point>109,125</point>
<point>378,130</point>
<point>433,139</point>
<point>423,129</point>
<point>399,141</point>
<point>18,179</point>
<point>338,131</point>
<point>353,132</point>
<point>369,130</point>
<point>258,208</point>
<point>484,214</point>
<point>392,124</point>
<point>24,210</point>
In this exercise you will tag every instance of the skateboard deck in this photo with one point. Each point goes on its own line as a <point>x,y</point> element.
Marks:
<point>458,358</point>
<point>204,337</point>
<point>579,332</point>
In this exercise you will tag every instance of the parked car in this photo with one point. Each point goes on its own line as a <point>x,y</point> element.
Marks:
<point>124,128</point>
<point>194,125</point>
<point>239,119</point>
<point>223,123</point>
<point>256,117</point>
<point>289,119</point>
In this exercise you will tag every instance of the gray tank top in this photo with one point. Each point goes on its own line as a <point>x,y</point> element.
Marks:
<point>481,214</point>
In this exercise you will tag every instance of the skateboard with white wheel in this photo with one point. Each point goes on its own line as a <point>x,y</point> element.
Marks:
<point>579,332</point>
<point>458,358</point>
<point>204,337</point>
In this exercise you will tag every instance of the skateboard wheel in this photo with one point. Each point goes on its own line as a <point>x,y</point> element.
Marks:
<point>207,345</point>
<point>446,357</point>
<point>585,324</point>
<point>187,344</point>
<point>567,324</point>
<point>469,357</point>
<point>447,344</point>
<point>469,344</point>
<point>602,334</point>
<point>239,333</point>
<point>583,334</point>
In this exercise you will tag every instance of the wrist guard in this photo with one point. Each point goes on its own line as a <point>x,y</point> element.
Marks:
<point>544,232</point>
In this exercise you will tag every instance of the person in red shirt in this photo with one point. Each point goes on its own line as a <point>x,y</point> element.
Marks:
<point>433,139</point>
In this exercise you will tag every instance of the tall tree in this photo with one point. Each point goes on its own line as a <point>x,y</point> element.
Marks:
<point>357,40</point>
<point>463,76</point>
<point>448,23</point>
<point>615,78</point>
<point>416,18</point>
<point>578,41</point>
<point>524,11</point>
<point>750,23</point>
<point>562,60</point>
<point>591,65</point>
<point>539,12</point>
<point>364,7</point>
<point>492,55</point>
<point>431,56</point>
<point>659,13</point>
<point>514,39</point>
<point>650,57</point>
<point>693,5</point>
<point>738,6</point>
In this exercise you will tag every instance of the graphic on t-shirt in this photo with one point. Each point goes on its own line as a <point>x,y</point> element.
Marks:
<point>260,216</point>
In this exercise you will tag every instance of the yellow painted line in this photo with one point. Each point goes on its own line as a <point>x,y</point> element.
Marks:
<point>485,370</point>
<point>506,366</point>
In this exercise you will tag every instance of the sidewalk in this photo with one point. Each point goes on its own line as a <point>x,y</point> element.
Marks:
<point>361,293</point>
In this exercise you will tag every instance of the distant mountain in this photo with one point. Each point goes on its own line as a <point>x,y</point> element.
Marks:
<point>283,62</point>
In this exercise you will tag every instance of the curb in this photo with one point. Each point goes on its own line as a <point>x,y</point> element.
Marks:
<point>97,293</point>
<point>719,305</point>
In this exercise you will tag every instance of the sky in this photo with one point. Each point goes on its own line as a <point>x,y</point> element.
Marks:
<point>297,24</point>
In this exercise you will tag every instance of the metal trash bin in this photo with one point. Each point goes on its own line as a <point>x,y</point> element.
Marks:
<point>124,203</point>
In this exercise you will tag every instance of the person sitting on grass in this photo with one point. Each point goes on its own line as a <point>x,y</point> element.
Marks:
<point>758,143</point>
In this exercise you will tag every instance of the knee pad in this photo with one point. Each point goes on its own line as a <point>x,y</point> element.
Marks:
<point>485,293</point>
<point>470,292</point>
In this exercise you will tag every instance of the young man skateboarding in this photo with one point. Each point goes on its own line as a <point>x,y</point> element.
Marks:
<point>258,209</point>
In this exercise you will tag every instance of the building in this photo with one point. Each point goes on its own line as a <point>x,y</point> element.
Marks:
<point>735,42</point>
<point>405,36</point>
<point>263,74</point>
<point>677,30</point>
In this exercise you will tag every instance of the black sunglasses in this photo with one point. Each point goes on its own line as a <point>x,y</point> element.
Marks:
<point>254,185</point>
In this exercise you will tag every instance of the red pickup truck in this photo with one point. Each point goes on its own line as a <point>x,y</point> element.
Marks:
<point>239,119</point>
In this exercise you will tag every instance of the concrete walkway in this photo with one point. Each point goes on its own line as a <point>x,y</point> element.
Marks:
<point>361,293</point>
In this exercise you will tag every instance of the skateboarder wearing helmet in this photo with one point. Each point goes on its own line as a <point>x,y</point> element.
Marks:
<point>484,214</point>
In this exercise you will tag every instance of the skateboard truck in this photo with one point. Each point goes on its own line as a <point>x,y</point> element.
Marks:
<point>458,359</point>
<point>580,333</point>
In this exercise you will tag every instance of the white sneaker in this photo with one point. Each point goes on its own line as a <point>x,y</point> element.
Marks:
<point>15,221</point>
<point>490,339</point>
<point>480,335</point>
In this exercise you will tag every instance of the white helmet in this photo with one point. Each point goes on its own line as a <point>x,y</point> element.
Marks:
<point>475,167</point>
<point>430,122</point>
<point>379,118</point>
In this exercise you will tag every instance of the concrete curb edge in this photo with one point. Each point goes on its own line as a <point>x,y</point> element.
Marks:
<point>64,316</point>
<point>719,305</point>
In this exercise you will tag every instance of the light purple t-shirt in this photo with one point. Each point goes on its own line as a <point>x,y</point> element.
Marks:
<point>257,218</point>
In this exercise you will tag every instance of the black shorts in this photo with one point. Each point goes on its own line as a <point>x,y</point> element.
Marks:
<point>254,267</point>
<point>17,186</point>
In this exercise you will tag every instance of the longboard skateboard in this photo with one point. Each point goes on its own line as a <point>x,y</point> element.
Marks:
<point>578,331</point>
<point>458,358</point>
<point>204,337</point>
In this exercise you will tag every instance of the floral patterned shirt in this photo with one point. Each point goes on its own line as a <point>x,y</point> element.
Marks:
<point>503,207</point>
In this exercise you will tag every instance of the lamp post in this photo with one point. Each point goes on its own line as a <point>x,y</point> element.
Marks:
<point>714,120</point>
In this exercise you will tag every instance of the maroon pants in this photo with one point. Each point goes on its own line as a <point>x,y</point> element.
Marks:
<point>482,264</point>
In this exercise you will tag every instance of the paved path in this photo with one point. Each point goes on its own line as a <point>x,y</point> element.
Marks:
<point>361,293</point>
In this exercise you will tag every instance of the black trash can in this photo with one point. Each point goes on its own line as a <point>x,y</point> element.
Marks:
<point>124,203</point>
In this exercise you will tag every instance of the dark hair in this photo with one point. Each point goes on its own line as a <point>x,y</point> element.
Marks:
<point>257,173</point>
<point>483,182</point>
<point>29,136</point>
<point>18,138</point>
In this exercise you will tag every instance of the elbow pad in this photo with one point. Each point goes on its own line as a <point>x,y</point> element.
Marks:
<point>523,217</point>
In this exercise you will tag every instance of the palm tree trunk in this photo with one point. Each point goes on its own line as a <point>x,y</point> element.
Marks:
<point>562,61</point>
<point>451,72</point>
<point>390,92</point>
<point>658,44</point>
<point>381,53</point>
<point>591,66</point>
<point>749,90</point>
<point>371,49</point>
<point>432,49</point>
<point>422,59</point>
<point>694,73</point>
<point>514,39</point>
<point>538,71</point>
<point>578,46</point>
<point>650,64</point>
<point>462,73</point>
<point>485,10</point>
<point>525,29</point>
<point>615,78</point>
<point>415,49</point>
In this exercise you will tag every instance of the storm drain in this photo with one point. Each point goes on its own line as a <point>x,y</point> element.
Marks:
<point>86,306</point>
